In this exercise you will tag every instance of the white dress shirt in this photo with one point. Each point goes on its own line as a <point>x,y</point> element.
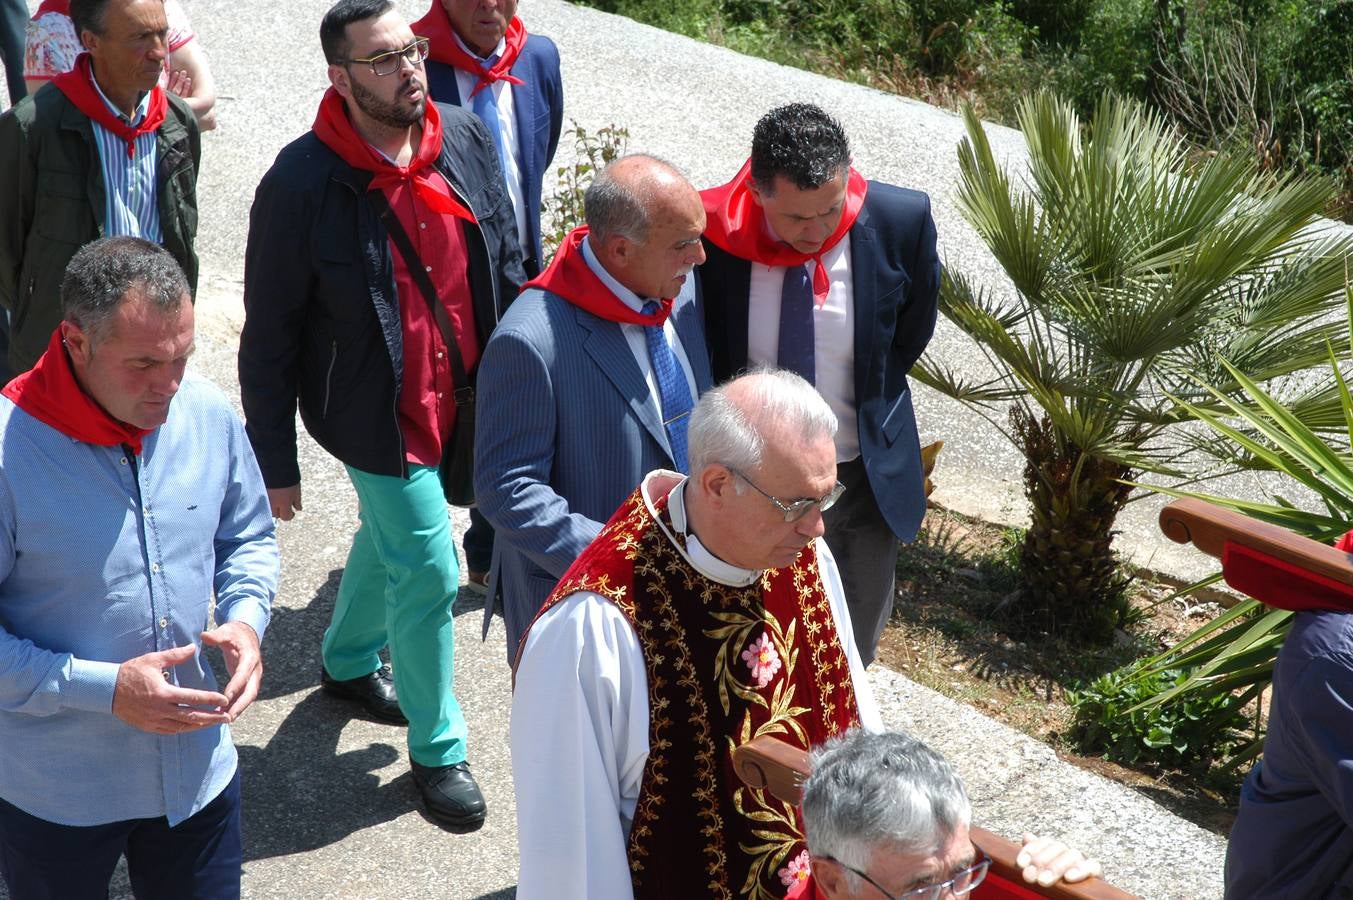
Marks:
<point>579,729</point>
<point>833,337</point>
<point>507,123</point>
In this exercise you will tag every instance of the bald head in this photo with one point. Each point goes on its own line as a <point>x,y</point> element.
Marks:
<point>733,423</point>
<point>644,222</point>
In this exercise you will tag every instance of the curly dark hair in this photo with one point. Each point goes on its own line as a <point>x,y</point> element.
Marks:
<point>800,142</point>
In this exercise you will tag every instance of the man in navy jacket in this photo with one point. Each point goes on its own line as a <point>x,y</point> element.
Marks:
<point>813,269</point>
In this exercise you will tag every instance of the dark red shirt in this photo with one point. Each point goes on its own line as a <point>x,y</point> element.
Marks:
<point>426,398</point>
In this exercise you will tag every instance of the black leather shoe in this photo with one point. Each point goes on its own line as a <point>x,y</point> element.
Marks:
<point>375,693</point>
<point>451,796</point>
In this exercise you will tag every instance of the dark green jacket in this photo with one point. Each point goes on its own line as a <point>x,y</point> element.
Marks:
<point>53,203</point>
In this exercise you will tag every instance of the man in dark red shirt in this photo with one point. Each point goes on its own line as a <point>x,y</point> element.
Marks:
<point>382,249</point>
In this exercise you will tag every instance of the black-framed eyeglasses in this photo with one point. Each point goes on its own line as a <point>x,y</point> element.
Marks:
<point>960,884</point>
<point>387,63</point>
<point>796,509</point>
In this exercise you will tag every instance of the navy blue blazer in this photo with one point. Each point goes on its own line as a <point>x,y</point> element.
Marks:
<point>538,107</point>
<point>565,431</point>
<point>895,273</point>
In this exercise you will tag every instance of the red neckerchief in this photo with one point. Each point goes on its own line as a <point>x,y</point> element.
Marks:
<point>78,86</point>
<point>49,393</point>
<point>53,6</point>
<point>738,225</point>
<point>334,128</point>
<point>436,27</point>
<point>572,278</point>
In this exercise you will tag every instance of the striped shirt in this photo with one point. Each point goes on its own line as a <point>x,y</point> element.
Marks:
<point>130,204</point>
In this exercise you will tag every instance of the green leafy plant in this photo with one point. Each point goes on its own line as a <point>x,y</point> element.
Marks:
<point>1307,441</point>
<point>1111,719</point>
<point>1187,734</point>
<point>1135,267</point>
<point>593,151</point>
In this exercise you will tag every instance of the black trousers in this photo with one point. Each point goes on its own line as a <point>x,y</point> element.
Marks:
<point>866,553</point>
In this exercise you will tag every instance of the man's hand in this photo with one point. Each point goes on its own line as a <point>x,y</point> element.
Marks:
<point>244,662</point>
<point>144,698</point>
<point>285,502</point>
<point>1046,862</point>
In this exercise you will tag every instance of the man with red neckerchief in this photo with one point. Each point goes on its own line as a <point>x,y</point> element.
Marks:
<point>101,150</point>
<point>588,382</point>
<point>382,250</point>
<point>482,59</point>
<point>814,269</point>
<point>131,511</point>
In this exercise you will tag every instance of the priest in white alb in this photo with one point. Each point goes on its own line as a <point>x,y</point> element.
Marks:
<point>706,612</point>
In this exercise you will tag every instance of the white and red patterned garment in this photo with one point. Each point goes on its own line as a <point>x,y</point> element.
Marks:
<point>51,45</point>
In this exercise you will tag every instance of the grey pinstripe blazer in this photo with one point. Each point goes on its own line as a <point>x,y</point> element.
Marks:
<point>564,432</point>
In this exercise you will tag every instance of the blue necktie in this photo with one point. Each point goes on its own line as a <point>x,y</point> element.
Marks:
<point>485,105</point>
<point>674,392</point>
<point>797,350</point>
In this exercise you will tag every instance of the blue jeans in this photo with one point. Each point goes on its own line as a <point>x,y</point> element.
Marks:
<point>397,589</point>
<point>199,857</point>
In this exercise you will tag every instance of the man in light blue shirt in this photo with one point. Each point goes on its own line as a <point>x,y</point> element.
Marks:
<point>129,496</point>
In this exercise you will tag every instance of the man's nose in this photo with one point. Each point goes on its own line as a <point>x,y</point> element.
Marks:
<point>812,526</point>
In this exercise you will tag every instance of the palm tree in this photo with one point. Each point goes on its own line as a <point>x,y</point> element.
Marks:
<point>1135,267</point>
<point>1308,440</point>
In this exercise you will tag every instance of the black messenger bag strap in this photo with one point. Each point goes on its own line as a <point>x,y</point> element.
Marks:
<point>464,390</point>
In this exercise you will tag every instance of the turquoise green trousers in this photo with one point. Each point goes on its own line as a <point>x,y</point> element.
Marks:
<point>397,589</point>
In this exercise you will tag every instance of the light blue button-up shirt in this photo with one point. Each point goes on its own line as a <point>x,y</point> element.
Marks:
<point>105,556</point>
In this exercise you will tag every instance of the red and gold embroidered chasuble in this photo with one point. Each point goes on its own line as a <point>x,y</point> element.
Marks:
<point>724,664</point>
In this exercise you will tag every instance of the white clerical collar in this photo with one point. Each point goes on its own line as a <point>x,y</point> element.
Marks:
<point>705,562</point>
<point>627,296</point>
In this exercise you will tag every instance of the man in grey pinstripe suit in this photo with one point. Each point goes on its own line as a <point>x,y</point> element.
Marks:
<point>586,383</point>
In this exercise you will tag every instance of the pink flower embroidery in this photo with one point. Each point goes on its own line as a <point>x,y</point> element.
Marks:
<point>762,659</point>
<point>797,870</point>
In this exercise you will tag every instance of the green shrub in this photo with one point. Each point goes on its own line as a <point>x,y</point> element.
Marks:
<point>593,151</point>
<point>1188,734</point>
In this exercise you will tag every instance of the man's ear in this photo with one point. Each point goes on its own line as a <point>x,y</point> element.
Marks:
<point>617,251</point>
<point>77,342</point>
<point>341,80</point>
<point>757,197</point>
<point>716,483</point>
<point>830,879</point>
<point>89,40</point>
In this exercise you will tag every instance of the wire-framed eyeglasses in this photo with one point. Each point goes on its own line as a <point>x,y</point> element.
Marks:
<point>388,63</point>
<point>796,509</point>
<point>960,884</point>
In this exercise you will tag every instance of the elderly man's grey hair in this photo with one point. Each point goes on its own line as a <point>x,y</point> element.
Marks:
<point>616,207</point>
<point>880,792</point>
<point>731,423</point>
<point>102,273</point>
